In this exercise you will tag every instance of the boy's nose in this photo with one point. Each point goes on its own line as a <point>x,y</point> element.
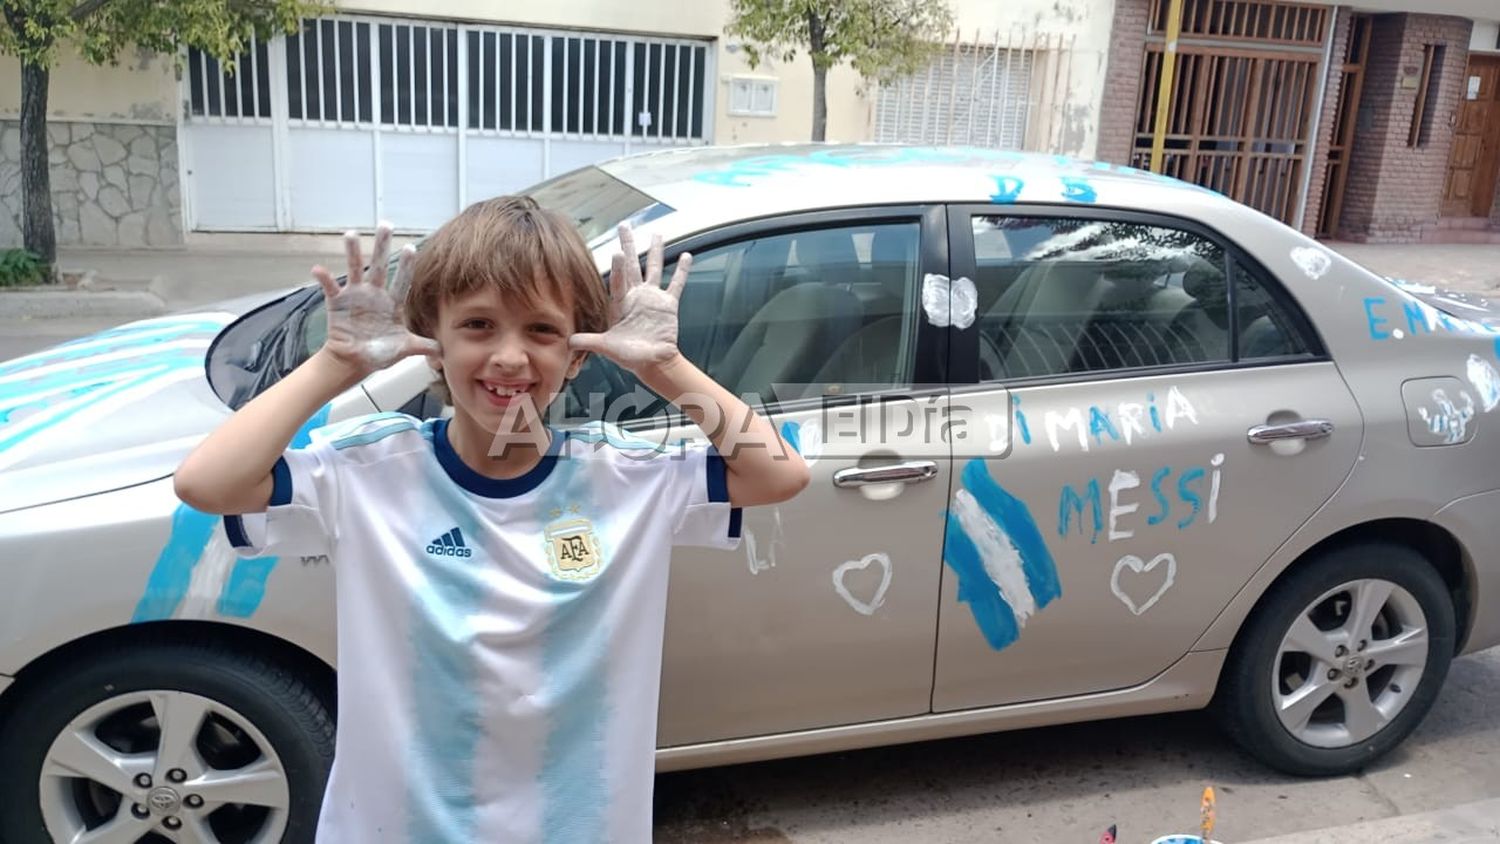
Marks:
<point>509,353</point>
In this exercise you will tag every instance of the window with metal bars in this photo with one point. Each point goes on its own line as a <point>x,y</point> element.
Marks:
<point>974,96</point>
<point>328,72</point>
<point>505,87</point>
<point>418,75</point>
<point>407,75</point>
<point>214,91</point>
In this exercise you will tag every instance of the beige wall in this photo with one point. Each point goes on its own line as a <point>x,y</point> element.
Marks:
<point>848,104</point>
<point>142,88</point>
<point>1087,22</point>
<point>146,89</point>
<point>1485,36</point>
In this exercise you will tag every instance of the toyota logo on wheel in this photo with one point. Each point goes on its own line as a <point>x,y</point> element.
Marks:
<point>162,799</point>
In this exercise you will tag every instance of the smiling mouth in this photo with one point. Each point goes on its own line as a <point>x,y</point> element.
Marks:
<point>504,392</point>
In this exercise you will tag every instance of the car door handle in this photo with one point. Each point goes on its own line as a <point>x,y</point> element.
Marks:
<point>1302,429</point>
<point>899,473</point>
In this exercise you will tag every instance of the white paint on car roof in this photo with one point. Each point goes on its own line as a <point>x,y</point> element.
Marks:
<point>716,185</point>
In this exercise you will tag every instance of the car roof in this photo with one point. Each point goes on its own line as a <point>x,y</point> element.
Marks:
<point>713,186</point>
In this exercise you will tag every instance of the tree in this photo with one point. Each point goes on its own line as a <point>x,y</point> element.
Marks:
<point>881,39</point>
<point>101,29</point>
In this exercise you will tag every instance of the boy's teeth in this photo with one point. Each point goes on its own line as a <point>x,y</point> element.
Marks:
<point>504,391</point>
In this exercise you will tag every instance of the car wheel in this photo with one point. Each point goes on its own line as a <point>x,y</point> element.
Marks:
<point>1340,661</point>
<point>191,743</point>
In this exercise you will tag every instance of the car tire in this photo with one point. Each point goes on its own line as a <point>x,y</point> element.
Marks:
<point>1273,678</point>
<point>237,705</point>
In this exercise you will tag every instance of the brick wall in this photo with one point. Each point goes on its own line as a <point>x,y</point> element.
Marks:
<point>1394,190</point>
<point>1122,84</point>
<point>1335,88</point>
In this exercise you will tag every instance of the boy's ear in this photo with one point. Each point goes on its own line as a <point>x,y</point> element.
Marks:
<point>579,359</point>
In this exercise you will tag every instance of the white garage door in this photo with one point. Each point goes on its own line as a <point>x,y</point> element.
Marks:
<point>358,119</point>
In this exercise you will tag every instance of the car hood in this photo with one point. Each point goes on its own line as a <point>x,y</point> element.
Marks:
<point>114,409</point>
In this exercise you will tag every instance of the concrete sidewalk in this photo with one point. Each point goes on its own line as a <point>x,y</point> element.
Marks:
<point>147,282</point>
<point>131,283</point>
<point>1471,822</point>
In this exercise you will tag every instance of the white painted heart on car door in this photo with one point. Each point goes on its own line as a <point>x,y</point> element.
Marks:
<point>1132,562</point>
<point>859,606</point>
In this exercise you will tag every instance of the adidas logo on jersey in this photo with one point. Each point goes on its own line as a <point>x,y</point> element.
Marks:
<point>450,544</point>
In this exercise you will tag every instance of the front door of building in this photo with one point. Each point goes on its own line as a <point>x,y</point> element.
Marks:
<point>1474,163</point>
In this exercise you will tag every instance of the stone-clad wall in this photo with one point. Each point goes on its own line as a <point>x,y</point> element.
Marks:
<point>113,184</point>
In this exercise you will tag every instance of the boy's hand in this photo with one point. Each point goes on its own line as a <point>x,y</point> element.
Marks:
<point>365,331</point>
<point>643,316</point>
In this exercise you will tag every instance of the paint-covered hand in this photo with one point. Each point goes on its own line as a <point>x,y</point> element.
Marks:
<point>643,315</point>
<point>365,331</point>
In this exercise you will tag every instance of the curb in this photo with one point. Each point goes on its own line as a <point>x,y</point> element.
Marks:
<point>1470,822</point>
<point>56,304</point>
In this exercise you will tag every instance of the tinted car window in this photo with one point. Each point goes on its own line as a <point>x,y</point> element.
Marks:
<point>1060,296</point>
<point>1267,327</point>
<point>784,317</point>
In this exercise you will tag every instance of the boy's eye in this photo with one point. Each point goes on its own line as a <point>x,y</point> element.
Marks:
<point>544,327</point>
<point>475,324</point>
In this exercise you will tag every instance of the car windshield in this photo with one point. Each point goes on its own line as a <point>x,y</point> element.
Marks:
<point>264,345</point>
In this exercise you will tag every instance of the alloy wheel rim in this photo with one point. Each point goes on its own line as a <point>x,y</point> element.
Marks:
<point>163,765</point>
<point>1349,663</point>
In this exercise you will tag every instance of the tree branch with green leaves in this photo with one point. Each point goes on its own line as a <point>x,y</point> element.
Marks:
<point>101,30</point>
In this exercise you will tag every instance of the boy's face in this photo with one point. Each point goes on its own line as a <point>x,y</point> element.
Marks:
<point>500,355</point>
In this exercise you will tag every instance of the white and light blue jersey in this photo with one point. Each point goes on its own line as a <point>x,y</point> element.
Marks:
<point>499,641</point>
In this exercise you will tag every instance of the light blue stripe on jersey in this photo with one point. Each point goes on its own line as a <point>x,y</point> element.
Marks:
<point>575,659</point>
<point>403,423</point>
<point>446,717</point>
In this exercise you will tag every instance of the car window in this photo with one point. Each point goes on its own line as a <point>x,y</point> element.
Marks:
<point>1267,326</point>
<point>783,317</point>
<point>1060,296</point>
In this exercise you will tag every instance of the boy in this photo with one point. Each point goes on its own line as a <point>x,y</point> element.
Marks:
<point>500,609</point>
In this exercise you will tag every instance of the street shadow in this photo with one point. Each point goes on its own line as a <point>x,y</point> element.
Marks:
<point>1093,760</point>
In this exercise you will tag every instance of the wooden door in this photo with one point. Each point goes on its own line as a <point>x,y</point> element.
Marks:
<point>1475,159</point>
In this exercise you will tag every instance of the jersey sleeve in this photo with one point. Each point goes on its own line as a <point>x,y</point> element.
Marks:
<point>700,483</point>
<point>300,519</point>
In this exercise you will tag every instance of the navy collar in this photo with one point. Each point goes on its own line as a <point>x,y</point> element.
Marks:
<point>479,484</point>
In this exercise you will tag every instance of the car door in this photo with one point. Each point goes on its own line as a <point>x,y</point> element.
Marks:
<point>825,613</point>
<point>1172,420</point>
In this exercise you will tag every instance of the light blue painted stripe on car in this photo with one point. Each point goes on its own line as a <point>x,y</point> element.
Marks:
<point>1014,518</point>
<point>246,586</point>
<point>114,340</point>
<point>993,615</point>
<point>1008,518</point>
<point>169,579</point>
<point>168,582</point>
<point>15,433</point>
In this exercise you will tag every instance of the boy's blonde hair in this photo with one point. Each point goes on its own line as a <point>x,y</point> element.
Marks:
<point>510,244</point>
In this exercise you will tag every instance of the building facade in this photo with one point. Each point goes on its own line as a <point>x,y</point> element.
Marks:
<point>1372,122</point>
<point>372,112</point>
